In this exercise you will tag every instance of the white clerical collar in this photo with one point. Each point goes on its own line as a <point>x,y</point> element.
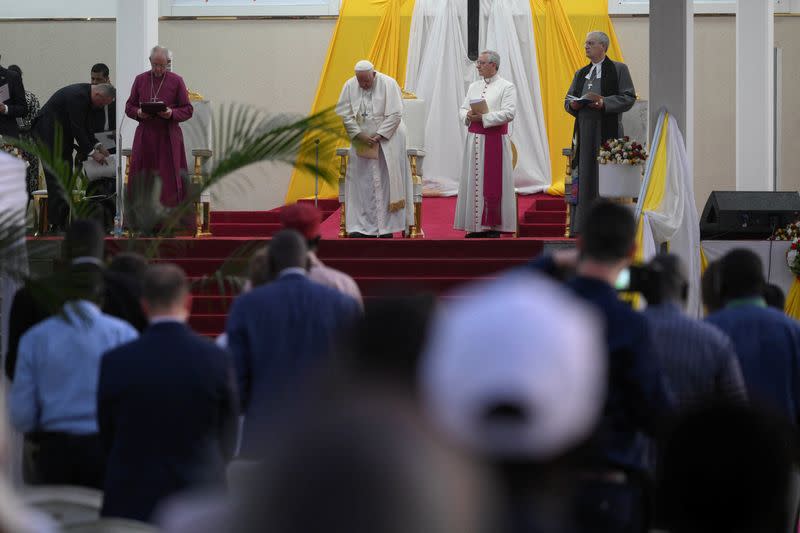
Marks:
<point>87,260</point>
<point>598,68</point>
<point>490,80</point>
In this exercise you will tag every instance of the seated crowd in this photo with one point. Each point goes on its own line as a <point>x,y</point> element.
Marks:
<point>538,401</point>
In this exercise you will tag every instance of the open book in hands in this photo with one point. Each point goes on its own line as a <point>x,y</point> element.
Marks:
<point>479,105</point>
<point>588,98</point>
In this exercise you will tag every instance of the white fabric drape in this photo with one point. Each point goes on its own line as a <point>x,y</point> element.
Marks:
<point>439,71</point>
<point>509,31</point>
<point>675,221</point>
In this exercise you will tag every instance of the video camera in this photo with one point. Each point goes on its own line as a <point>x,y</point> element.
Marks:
<point>645,279</point>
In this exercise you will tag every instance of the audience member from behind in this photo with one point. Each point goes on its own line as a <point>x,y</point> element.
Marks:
<point>710,288</point>
<point>281,333</point>
<point>386,343</point>
<point>507,377</point>
<point>727,469</point>
<point>614,488</point>
<point>363,464</point>
<point>257,275</point>
<point>126,272</point>
<point>166,405</point>
<point>82,253</point>
<point>767,341</point>
<point>53,397</point>
<point>305,219</point>
<point>774,296</point>
<point>698,360</point>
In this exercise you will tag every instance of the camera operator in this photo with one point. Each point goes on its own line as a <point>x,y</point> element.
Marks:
<point>613,495</point>
<point>698,360</point>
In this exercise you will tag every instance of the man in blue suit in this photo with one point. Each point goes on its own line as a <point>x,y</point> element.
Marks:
<point>280,333</point>
<point>767,341</point>
<point>166,405</point>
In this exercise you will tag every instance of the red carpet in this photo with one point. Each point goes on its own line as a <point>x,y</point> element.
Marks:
<point>437,263</point>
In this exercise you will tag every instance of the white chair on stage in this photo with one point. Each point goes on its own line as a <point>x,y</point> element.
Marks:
<point>414,111</point>
<point>65,504</point>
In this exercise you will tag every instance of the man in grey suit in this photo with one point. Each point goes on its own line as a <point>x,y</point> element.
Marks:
<point>609,86</point>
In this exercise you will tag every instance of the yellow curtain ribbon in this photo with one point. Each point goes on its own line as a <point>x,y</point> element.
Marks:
<point>654,194</point>
<point>792,305</point>
<point>377,30</point>
<point>559,55</point>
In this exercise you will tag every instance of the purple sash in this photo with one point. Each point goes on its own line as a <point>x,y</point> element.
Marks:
<point>492,171</point>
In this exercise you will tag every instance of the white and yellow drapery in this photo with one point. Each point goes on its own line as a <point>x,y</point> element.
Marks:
<point>380,30</point>
<point>666,211</point>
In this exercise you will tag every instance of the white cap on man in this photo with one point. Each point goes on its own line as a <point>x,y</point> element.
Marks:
<point>364,66</point>
<point>515,369</point>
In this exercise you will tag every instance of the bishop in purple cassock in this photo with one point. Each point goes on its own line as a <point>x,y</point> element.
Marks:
<point>158,142</point>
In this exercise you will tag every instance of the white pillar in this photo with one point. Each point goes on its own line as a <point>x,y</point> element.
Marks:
<point>755,84</point>
<point>672,66</point>
<point>137,33</point>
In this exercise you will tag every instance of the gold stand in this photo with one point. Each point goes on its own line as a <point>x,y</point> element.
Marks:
<point>567,152</point>
<point>202,207</point>
<point>344,154</point>
<point>415,231</point>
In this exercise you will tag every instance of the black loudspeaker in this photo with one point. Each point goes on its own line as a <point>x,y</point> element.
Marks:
<point>731,215</point>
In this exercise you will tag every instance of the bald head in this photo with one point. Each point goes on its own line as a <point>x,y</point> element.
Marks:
<point>159,60</point>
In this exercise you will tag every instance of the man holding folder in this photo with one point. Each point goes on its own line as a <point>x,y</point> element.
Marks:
<point>600,92</point>
<point>485,206</point>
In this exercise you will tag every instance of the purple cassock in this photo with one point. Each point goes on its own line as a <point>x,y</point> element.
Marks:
<point>158,142</point>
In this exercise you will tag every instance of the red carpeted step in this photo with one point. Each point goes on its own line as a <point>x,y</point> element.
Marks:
<point>544,217</point>
<point>204,266</point>
<point>241,229</point>
<point>205,304</point>
<point>550,204</point>
<point>325,204</point>
<point>429,248</point>
<point>379,285</point>
<point>208,323</point>
<point>214,247</point>
<point>247,217</point>
<point>424,267</point>
<point>542,230</point>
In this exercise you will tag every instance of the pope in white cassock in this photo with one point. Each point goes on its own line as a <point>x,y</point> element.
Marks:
<point>485,205</point>
<point>378,188</point>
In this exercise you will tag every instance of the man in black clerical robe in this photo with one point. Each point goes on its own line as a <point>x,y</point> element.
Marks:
<point>609,84</point>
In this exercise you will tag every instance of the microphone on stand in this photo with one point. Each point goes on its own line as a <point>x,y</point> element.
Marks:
<point>118,215</point>
<point>316,173</point>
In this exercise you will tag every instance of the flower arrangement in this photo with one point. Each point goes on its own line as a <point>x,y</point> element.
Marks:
<point>622,151</point>
<point>789,233</point>
<point>16,152</point>
<point>793,258</point>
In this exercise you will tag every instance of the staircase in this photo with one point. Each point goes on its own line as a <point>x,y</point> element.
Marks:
<point>379,266</point>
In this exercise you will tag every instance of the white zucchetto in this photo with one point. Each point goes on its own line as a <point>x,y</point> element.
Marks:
<point>364,66</point>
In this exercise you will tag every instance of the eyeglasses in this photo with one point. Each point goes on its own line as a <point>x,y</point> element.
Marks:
<point>482,62</point>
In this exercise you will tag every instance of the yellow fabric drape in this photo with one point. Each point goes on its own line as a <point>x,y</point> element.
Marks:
<point>377,30</point>
<point>590,15</point>
<point>792,305</point>
<point>559,56</point>
<point>654,194</point>
<point>703,260</point>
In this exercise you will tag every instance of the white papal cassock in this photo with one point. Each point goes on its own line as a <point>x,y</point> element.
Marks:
<point>378,192</point>
<point>501,98</point>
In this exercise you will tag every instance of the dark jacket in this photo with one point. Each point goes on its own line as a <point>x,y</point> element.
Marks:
<point>279,334</point>
<point>167,413</point>
<point>16,103</point>
<point>71,107</point>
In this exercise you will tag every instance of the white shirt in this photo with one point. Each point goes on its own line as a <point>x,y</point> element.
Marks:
<point>598,68</point>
